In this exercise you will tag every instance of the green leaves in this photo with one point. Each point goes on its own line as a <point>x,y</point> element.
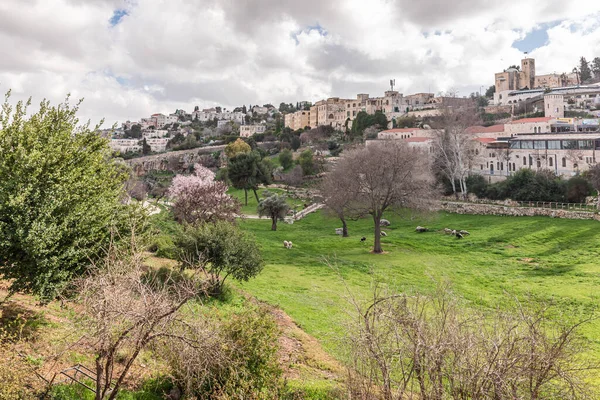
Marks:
<point>59,196</point>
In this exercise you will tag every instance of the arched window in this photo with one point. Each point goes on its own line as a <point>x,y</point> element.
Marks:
<point>564,162</point>
<point>551,162</point>
<point>524,161</point>
<point>539,129</point>
<point>530,161</point>
<point>534,129</point>
<point>539,163</point>
<point>514,167</point>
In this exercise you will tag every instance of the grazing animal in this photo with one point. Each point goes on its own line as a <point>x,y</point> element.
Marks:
<point>339,231</point>
<point>286,244</point>
<point>383,233</point>
<point>458,235</point>
<point>384,222</point>
<point>464,233</point>
<point>447,231</point>
<point>453,232</point>
<point>290,244</point>
<point>362,239</point>
<point>420,229</point>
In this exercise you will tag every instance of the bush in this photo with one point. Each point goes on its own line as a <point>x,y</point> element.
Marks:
<point>578,189</point>
<point>163,246</point>
<point>477,185</point>
<point>236,358</point>
<point>286,159</point>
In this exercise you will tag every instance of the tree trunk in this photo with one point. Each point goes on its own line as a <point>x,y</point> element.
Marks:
<point>377,244</point>
<point>344,228</point>
<point>246,195</point>
<point>255,195</point>
<point>453,182</point>
<point>274,224</point>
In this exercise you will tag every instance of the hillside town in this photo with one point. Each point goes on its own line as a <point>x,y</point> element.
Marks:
<point>540,122</point>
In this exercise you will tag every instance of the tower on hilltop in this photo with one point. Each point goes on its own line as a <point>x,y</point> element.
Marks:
<point>528,73</point>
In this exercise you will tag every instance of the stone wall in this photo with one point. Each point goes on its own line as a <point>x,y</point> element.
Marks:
<point>491,209</point>
<point>170,160</point>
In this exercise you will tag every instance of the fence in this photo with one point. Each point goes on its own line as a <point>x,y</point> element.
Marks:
<point>559,206</point>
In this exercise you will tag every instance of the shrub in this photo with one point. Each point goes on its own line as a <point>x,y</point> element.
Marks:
<point>235,358</point>
<point>578,189</point>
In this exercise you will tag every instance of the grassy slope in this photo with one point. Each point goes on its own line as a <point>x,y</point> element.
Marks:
<point>547,258</point>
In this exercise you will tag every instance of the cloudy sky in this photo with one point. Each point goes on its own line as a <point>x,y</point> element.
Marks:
<point>130,58</point>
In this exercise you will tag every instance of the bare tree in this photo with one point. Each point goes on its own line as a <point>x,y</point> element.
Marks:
<point>385,175</point>
<point>125,308</point>
<point>454,149</point>
<point>406,346</point>
<point>335,188</point>
<point>136,189</point>
<point>295,177</point>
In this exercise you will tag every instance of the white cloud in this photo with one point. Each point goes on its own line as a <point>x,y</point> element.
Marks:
<point>173,54</point>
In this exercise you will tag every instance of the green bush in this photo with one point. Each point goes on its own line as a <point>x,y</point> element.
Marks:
<point>162,245</point>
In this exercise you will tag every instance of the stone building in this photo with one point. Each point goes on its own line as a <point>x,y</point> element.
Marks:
<point>554,106</point>
<point>515,79</point>
<point>249,130</point>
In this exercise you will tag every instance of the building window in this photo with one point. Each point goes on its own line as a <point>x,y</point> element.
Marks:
<point>564,162</point>
<point>530,161</point>
<point>524,161</point>
<point>514,167</point>
<point>539,163</point>
<point>551,162</point>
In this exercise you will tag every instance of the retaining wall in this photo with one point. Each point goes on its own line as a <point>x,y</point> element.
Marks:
<point>491,209</point>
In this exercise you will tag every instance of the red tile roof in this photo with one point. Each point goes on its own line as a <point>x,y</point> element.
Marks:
<point>485,140</point>
<point>530,120</point>
<point>486,129</point>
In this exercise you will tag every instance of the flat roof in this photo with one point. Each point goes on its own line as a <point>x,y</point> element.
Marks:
<point>564,136</point>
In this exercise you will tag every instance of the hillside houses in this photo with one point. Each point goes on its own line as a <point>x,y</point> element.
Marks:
<point>340,113</point>
<point>565,146</point>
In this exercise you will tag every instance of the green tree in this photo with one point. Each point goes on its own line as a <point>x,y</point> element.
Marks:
<point>146,149</point>
<point>273,206</point>
<point>237,147</point>
<point>489,93</point>
<point>247,170</point>
<point>221,250</point>
<point>307,162</point>
<point>286,159</point>
<point>364,121</point>
<point>596,67</point>
<point>584,70</point>
<point>135,132</point>
<point>295,143</point>
<point>60,194</point>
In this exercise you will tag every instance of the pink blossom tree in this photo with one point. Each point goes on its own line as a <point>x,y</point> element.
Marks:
<point>199,198</point>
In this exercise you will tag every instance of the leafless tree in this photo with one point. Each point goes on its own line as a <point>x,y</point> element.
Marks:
<point>136,189</point>
<point>454,149</point>
<point>385,175</point>
<point>335,188</point>
<point>413,346</point>
<point>295,177</point>
<point>125,308</point>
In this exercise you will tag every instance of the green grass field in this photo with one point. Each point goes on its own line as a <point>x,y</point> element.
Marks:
<point>250,209</point>
<point>534,258</point>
